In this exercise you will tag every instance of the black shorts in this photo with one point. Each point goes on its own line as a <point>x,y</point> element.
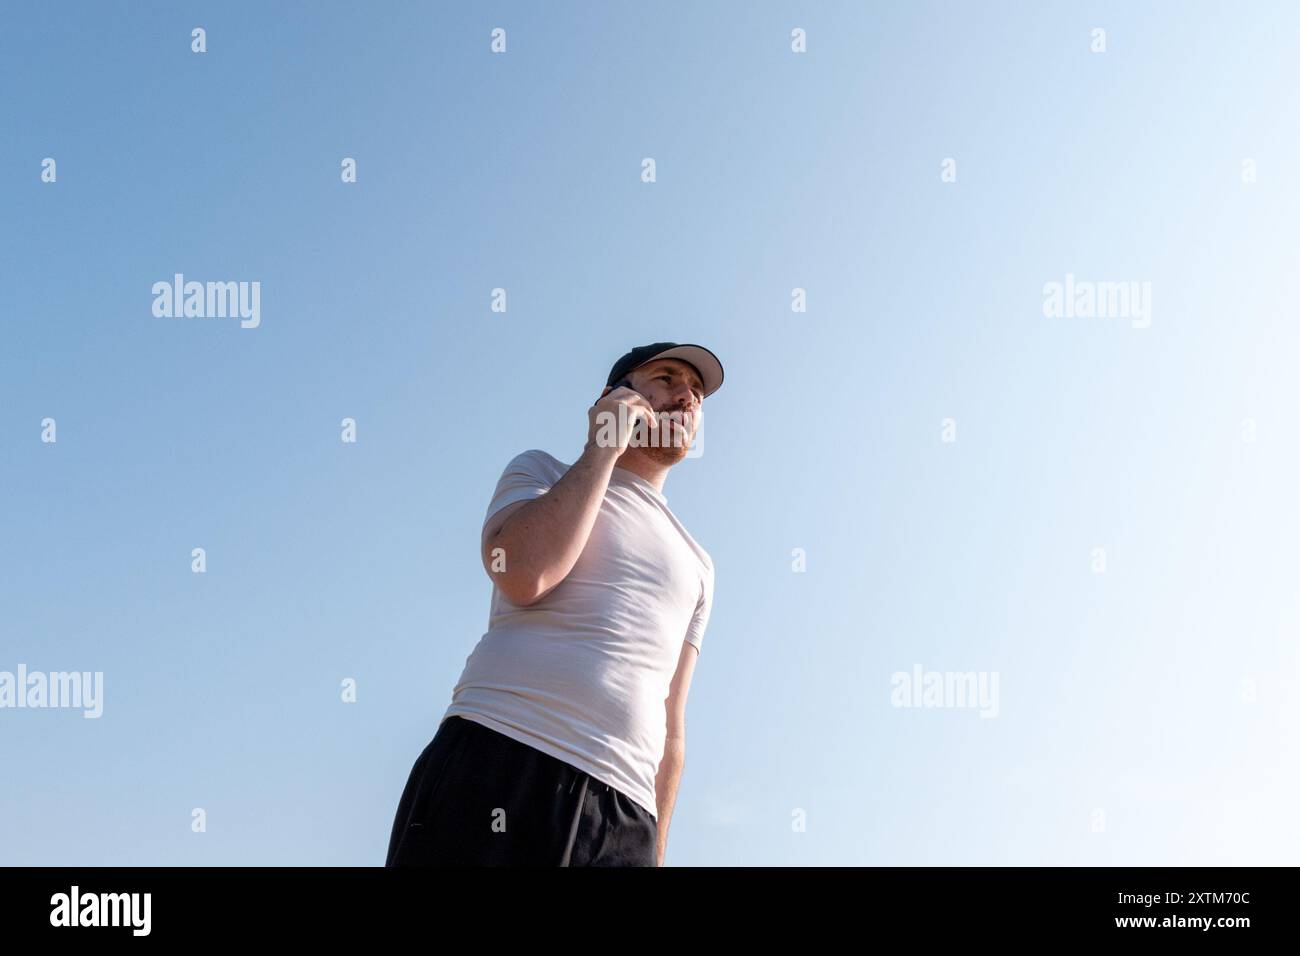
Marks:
<point>476,797</point>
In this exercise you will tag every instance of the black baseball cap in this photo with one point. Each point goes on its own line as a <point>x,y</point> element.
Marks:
<point>704,361</point>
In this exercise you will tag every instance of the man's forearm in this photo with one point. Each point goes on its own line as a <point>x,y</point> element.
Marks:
<point>543,540</point>
<point>666,780</point>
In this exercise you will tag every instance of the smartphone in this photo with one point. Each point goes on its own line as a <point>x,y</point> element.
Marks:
<point>624,382</point>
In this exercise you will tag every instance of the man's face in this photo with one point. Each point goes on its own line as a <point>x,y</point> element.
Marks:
<point>673,387</point>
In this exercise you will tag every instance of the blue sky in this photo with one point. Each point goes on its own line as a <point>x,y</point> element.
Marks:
<point>1161,692</point>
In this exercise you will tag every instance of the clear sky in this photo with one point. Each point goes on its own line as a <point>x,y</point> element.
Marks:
<point>1146,714</point>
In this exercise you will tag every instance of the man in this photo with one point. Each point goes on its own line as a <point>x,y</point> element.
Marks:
<point>566,734</point>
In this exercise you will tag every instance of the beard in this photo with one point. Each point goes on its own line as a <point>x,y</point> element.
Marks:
<point>665,455</point>
<point>671,448</point>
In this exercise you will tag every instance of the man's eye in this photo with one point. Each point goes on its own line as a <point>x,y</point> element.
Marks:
<point>668,378</point>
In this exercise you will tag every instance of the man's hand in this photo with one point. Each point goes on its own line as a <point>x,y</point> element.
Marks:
<point>611,420</point>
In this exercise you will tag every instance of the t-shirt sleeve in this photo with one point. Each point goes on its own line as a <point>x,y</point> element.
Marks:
<point>526,477</point>
<point>695,633</point>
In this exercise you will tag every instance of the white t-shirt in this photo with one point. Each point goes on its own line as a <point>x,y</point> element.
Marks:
<point>583,674</point>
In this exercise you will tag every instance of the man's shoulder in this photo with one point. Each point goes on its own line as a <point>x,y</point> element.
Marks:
<point>535,459</point>
<point>542,455</point>
<point>702,555</point>
<point>708,567</point>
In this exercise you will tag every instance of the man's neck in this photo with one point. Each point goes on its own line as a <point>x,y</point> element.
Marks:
<point>635,461</point>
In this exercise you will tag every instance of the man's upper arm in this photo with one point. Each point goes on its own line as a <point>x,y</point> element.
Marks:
<point>522,481</point>
<point>703,608</point>
<point>689,654</point>
<point>492,526</point>
<point>680,688</point>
